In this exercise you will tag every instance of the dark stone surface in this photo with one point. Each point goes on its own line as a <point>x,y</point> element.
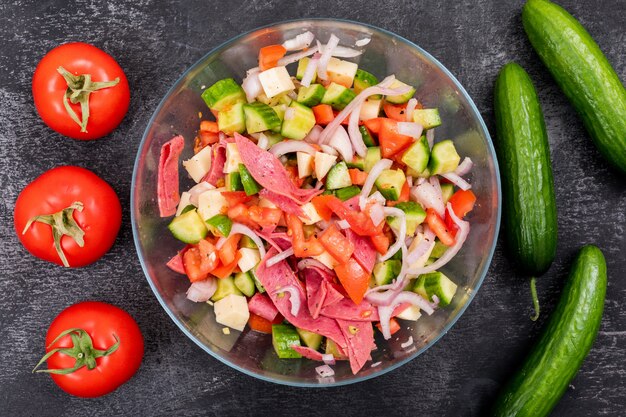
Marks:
<point>155,41</point>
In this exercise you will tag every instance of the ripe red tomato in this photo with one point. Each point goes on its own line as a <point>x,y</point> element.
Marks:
<point>107,105</point>
<point>103,326</point>
<point>55,191</point>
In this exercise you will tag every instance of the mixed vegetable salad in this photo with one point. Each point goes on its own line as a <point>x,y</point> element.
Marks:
<point>323,205</point>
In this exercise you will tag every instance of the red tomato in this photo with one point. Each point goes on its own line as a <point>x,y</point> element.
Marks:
<point>395,111</point>
<point>354,279</point>
<point>103,326</point>
<point>270,55</point>
<point>199,260</point>
<point>391,142</point>
<point>235,197</point>
<point>339,246</point>
<point>438,226</point>
<point>462,202</point>
<point>265,216</point>
<point>228,251</point>
<point>381,243</point>
<point>107,106</point>
<point>53,193</point>
<point>302,247</point>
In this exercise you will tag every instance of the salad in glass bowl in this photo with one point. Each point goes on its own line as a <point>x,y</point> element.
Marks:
<point>323,208</point>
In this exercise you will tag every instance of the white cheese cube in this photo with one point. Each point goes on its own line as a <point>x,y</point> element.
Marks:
<point>233,158</point>
<point>249,259</point>
<point>199,164</point>
<point>232,311</point>
<point>341,72</point>
<point>311,213</point>
<point>327,259</point>
<point>323,164</point>
<point>275,81</point>
<point>184,202</point>
<point>411,314</point>
<point>421,261</point>
<point>305,164</point>
<point>211,203</point>
<point>370,109</point>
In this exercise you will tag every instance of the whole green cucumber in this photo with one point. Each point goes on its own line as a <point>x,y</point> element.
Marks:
<point>524,158</point>
<point>554,361</point>
<point>583,73</point>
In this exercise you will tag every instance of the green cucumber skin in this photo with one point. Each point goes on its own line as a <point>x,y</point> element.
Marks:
<point>583,73</point>
<point>556,358</point>
<point>524,157</point>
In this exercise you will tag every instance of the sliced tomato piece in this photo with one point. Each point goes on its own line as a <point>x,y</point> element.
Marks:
<point>360,222</point>
<point>354,279</point>
<point>438,226</point>
<point>374,125</point>
<point>270,55</point>
<point>235,197</point>
<point>224,271</point>
<point>260,324</point>
<point>462,202</point>
<point>209,126</point>
<point>391,142</point>
<point>240,214</point>
<point>265,216</point>
<point>323,114</point>
<point>396,112</point>
<point>320,203</point>
<point>394,326</point>
<point>357,176</point>
<point>381,243</point>
<point>199,260</point>
<point>228,251</point>
<point>302,247</point>
<point>339,246</point>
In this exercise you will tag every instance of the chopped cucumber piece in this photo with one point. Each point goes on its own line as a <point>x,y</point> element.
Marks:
<point>273,138</point>
<point>312,95</point>
<point>443,158</point>
<point>233,181</point>
<point>390,183</point>
<point>283,337</point>
<point>246,242</point>
<point>364,79</point>
<point>225,287</point>
<point>300,124</point>
<point>260,117</point>
<point>338,177</point>
<point>347,193</point>
<point>232,119</point>
<point>411,313</point>
<point>188,227</point>
<point>332,349</point>
<point>417,155</point>
<point>302,64</point>
<point>223,94</point>
<point>414,214</point>
<point>357,162</point>
<point>368,139</point>
<point>436,283</point>
<point>220,224</point>
<point>280,112</point>
<point>371,158</point>
<point>310,339</point>
<point>187,208</point>
<point>428,118</point>
<point>402,98</point>
<point>338,96</point>
<point>446,192</point>
<point>257,283</point>
<point>282,98</point>
<point>245,283</point>
<point>438,250</point>
<point>385,272</point>
<point>250,185</point>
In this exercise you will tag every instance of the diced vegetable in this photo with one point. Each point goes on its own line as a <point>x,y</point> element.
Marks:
<point>390,183</point>
<point>232,119</point>
<point>225,287</point>
<point>427,118</point>
<point>338,177</point>
<point>260,117</point>
<point>220,224</point>
<point>250,185</point>
<point>223,94</point>
<point>283,337</point>
<point>244,283</point>
<point>312,95</point>
<point>443,158</point>
<point>338,96</point>
<point>188,227</point>
<point>300,123</point>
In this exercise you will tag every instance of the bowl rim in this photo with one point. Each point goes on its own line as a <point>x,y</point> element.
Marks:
<point>356,378</point>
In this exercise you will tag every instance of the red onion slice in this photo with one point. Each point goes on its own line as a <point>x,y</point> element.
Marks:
<point>427,196</point>
<point>363,42</point>
<point>345,52</point>
<point>324,371</point>
<point>294,297</point>
<point>377,197</point>
<point>376,170</point>
<point>377,213</point>
<point>327,52</point>
<point>290,146</point>
<point>385,312</point>
<point>423,247</point>
<point>314,263</point>
<point>411,129</point>
<point>329,150</point>
<point>457,180</point>
<point>263,142</point>
<point>410,107</point>
<point>328,358</point>
<point>314,134</point>
<point>461,235</point>
<point>252,86</point>
<point>280,257</point>
<point>201,291</point>
<point>400,234</point>
<point>341,142</point>
<point>309,72</point>
<point>300,42</point>
<point>408,343</point>
<point>245,230</point>
<point>288,59</point>
<point>464,167</point>
<point>430,137</point>
<point>343,224</point>
<point>196,190</point>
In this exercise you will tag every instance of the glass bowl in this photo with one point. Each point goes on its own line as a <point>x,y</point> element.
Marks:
<point>251,352</point>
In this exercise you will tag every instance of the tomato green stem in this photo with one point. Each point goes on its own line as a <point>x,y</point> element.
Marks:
<point>79,88</point>
<point>82,350</point>
<point>533,293</point>
<point>62,224</point>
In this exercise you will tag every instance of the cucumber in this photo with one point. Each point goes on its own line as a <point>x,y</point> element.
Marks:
<point>257,283</point>
<point>312,95</point>
<point>555,359</point>
<point>232,119</point>
<point>437,284</point>
<point>362,80</point>
<point>310,339</point>
<point>357,162</point>
<point>260,117</point>
<point>187,208</point>
<point>401,98</point>
<point>386,271</point>
<point>524,156</point>
<point>371,158</point>
<point>283,337</point>
<point>446,192</point>
<point>583,73</point>
<point>417,155</point>
<point>245,283</point>
<point>338,177</point>
<point>220,225</point>
<point>438,250</point>
<point>225,287</point>
<point>247,242</point>
<point>368,139</point>
<point>428,118</point>
<point>414,214</point>
<point>302,64</point>
<point>347,193</point>
<point>443,158</point>
<point>273,138</point>
<point>390,183</point>
<point>338,96</point>
<point>233,182</point>
<point>223,94</point>
<point>250,185</point>
<point>188,227</point>
<point>298,126</point>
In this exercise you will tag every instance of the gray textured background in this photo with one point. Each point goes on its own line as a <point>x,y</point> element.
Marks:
<point>155,41</point>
